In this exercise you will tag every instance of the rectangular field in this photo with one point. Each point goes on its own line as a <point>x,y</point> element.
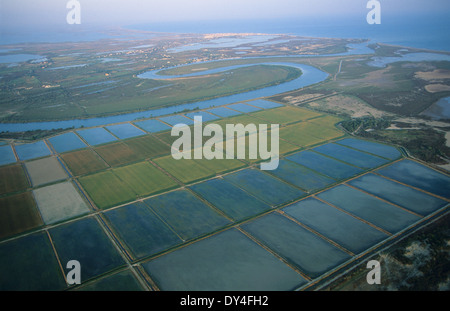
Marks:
<point>186,171</point>
<point>351,156</point>
<point>381,150</point>
<point>347,231</point>
<point>60,202</point>
<point>141,231</point>
<point>125,131</point>
<point>96,136</point>
<point>86,241</point>
<point>148,146</point>
<point>32,151</point>
<point>237,263</point>
<point>411,199</point>
<point>264,186</point>
<point>223,112</point>
<point>67,142</point>
<point>231,200</point>
<point>107,190</point>
<point>264,104</point>
<point>19,273</point>
<point>13,179</point>
<point>311,254</point>
<point>83,162</point>
<point>286,115</point>
<point>145,179</point>
<point>18,214</point>
<point>244,108</point>
<point>45,171</point>
<point>384,215</point>
<point>324,165</point>
<point>118,154</point>
<point>206,116</point>
<point>177,120</point>
<point>153,126</point>
<point>420,176</point>
<point>301,176</point>
<point>300,135</point>
<point>187,215</point>
<point>7,155</point>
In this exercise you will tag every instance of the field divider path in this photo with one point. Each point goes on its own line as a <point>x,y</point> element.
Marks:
<point>384,200</point>
<point>56,255</point>
<point>315,232</point>
<point>121,250</point>
<point>278,256</point>
<point>352,215</point>
<point>412,187</point>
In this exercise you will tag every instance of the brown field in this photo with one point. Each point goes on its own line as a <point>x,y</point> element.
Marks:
<point>118,154</point>
<point>12,179</point>
<point>148,146</point>
<point>83,162</point>
<point>18,213</point>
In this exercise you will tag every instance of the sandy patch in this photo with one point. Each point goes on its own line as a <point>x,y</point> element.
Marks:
<point>438,74</point>
<point>436,88</point>
<point>352,106</point>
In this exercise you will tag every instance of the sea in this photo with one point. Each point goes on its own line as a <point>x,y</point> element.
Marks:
<point>419,31</point>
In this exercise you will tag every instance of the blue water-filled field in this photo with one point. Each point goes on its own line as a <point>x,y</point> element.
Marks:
<point>96,136</point>
<point>32,151</point>
<point>264,186</point>
<point>264,104</point>
<point>347,231</point>
<point>153,126</point>
<point>85,241</point>
<point>186,215</point>
<point>301,176</point>
<point>177,120</point>
<point>312,254</point>
<point>228,261</point>
<point>356,158</point>
<point>365,206</point>
<point>117,282</point>
<point>417,175</point>
<point>67,142</point>
<point>378,149</point>
<point>141,230</point>
<point>7,155</point>
<point>29,264</point>
<point>223,112</point>
<point>243,108</point>
<point>126,130</point>
<point>411,199</point>
<point>206,116</point>
<point>233,201</point>
<point>325,165</point>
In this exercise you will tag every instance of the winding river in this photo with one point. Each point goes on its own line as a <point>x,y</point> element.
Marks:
<point>310,75</point>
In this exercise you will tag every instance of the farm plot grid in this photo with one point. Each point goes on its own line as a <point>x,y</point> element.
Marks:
<point>162,224</point>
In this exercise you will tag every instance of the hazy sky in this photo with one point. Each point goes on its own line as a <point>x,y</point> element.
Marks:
<point>125,12</point>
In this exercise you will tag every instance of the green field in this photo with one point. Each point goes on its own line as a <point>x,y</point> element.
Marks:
<point>18,213</point>
<point>286,115</point>
<point>83,162</point>
<point>144,178</point>
<point>185,171</point>
<point>148,146</point>
<point>107,190</point>
<point>12,179</point>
